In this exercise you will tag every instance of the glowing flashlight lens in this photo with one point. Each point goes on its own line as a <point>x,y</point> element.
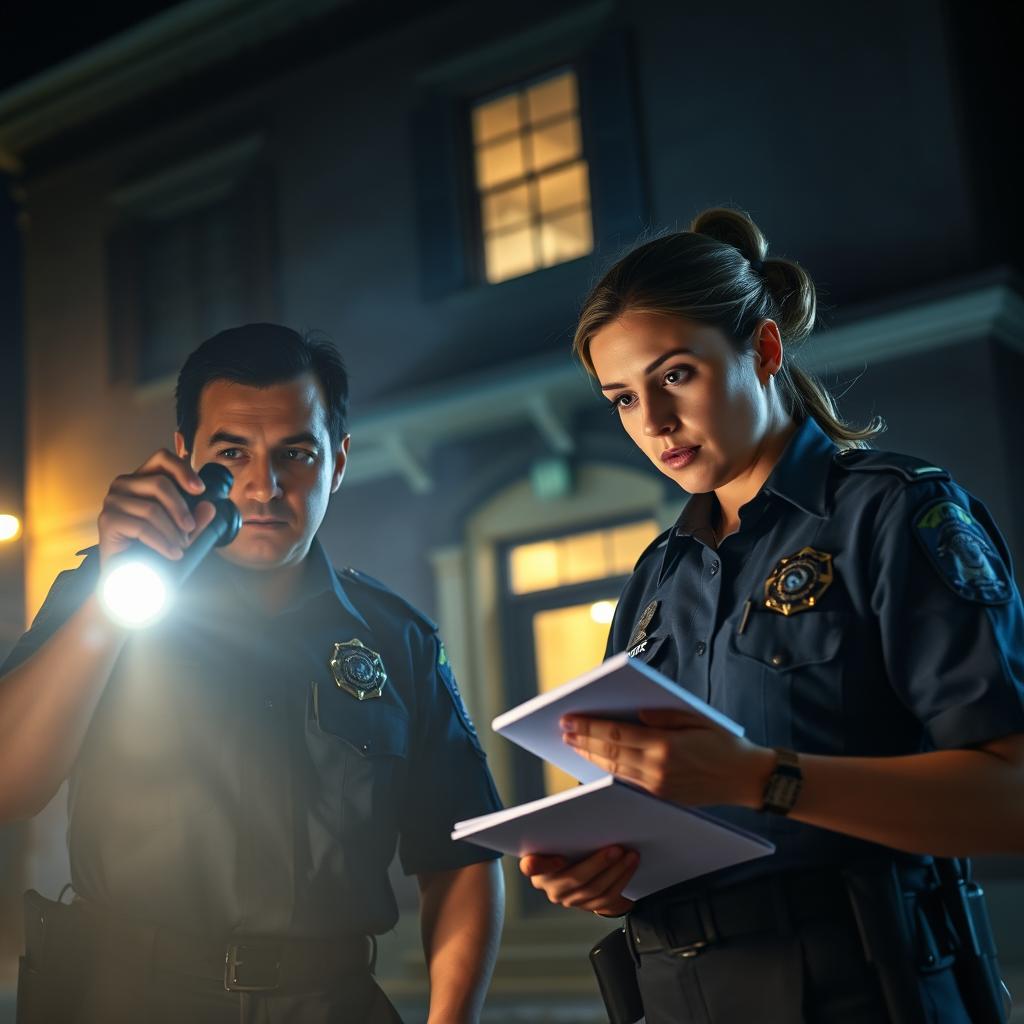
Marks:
<point>602,612</point>
<point>134,594</point>
<point>10,527</point>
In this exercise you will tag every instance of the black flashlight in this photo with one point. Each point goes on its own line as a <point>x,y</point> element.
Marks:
<point>136,589</point>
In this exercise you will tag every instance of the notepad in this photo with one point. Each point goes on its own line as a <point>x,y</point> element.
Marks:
<point>617,688</point>
<point>675,843</point>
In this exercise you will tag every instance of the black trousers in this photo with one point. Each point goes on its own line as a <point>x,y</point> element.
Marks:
<point>83,969</point>
<point>815,974</point>
<point>111,997</point>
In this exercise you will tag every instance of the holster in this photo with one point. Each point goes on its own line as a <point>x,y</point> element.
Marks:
<point>878,908</point>
<point>56,963</point>
<point>615,968</point>
<point>976,966</point>
<point>909,932</point>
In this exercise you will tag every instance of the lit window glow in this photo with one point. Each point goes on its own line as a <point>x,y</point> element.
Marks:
<point>578,558</point>
<point>532,179</point>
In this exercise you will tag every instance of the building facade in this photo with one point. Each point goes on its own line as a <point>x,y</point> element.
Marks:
<point>435,187</point>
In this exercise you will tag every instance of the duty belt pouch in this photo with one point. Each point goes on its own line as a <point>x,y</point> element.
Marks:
<point>615,969</point>
<point>55,964</point>
<point>878,907</point>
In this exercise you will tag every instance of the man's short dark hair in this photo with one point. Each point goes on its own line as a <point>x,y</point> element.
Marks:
<point>260,355</point>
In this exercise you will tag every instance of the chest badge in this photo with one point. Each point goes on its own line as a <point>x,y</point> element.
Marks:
<point>640,629</point>
<point>358,670</point>
<point>798,581</point>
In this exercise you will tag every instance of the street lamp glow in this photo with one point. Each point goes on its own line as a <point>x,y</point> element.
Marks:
<point>10,527</point>
<point>135,594</point>
<point>602,612</point>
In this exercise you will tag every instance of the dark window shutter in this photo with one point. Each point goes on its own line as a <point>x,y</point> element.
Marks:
<point>611,133</point>
<point>441,219</point>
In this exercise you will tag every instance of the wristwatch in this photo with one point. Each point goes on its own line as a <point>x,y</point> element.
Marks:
<point>783,784</point>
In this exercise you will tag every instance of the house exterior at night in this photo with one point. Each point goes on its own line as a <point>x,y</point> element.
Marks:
<point>435,187</point>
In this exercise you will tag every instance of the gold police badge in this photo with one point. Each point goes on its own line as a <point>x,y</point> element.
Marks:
<point>798,581</point>
<point>358,670</point>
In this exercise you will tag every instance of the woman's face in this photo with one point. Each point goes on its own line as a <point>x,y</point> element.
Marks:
<point>699,409</point>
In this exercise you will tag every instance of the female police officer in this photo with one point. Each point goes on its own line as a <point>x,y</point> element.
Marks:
<point>854,610</point>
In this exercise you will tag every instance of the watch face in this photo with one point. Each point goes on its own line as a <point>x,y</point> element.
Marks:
<point>781,792</point>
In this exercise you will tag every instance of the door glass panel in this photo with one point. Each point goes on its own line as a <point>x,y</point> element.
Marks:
<point>568,641</point>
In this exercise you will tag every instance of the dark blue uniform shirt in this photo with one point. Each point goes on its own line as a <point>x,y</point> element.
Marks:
<point>229,786</point>
<point>904,630</point>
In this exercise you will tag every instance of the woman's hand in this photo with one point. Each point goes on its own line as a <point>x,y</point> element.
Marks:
<point>675,755</point>
<point>593,884</point>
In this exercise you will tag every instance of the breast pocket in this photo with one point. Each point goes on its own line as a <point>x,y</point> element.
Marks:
<point>796,664</point>
<point>359,751</point>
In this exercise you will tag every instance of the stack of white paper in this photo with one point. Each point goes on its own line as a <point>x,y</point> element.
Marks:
<point>675,843</point>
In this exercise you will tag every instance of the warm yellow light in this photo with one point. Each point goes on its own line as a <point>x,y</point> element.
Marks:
<point>602,612</point>
<point>10,527</point>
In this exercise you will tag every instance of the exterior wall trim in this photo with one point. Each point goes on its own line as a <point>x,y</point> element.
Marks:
<point>537,391</point>
<point>159,51</point>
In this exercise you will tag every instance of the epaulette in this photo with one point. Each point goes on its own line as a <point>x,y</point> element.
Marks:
<point>349,574</point>
<point>658,542</point>
<point>907,466</point>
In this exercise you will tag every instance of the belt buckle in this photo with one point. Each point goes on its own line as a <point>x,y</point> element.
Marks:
<point>692,950</point>
<point>241,974</point>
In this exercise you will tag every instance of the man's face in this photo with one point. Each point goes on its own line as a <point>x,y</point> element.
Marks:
<point>275,442</point>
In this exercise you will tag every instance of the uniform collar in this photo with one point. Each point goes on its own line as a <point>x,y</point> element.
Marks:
<point>800,477</point>
<point>801,474</point>
<point>318,580</point>
<point>322,574</point>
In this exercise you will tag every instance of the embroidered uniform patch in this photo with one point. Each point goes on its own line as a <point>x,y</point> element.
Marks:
<point>962,552</point>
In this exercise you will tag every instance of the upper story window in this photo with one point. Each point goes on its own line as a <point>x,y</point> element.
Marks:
<point>191,252</point>
<point>532,180</point>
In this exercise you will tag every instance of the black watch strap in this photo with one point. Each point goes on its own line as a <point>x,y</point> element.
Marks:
<point>784,783</point>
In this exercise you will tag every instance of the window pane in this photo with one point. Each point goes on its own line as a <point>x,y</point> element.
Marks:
<point>555,143</point>
<point>552,97</point>
<point>567,641</point>
<point>533,567</point>
<point>567,187</point>
<point>499,117</point>
<point>506,209</point>
<point>509,254</point>
<point>583,558</point>
<point>628,543</point>
<point>566,237</point>
<point>499,162</point>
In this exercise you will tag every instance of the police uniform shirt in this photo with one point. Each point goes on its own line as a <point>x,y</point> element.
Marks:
<point>866,607</point>
<point>228,785</point>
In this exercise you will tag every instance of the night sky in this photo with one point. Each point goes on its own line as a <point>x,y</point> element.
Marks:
<point>38,36</point>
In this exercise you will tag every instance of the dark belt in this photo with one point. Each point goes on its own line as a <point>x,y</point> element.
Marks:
<point>689,926</point>
<point>256,964</point>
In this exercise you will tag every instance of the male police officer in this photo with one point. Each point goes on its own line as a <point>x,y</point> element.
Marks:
<point>241,773</point>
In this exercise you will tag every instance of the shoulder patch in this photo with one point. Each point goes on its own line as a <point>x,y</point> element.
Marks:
<point>349,575</point>
<point>962,552</point>
<point>658,542</point>
<point>444,670</point>
<point>907,466</point>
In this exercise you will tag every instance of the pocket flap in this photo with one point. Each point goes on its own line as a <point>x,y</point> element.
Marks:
<point>372,727</point>
<point>787,642</point>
